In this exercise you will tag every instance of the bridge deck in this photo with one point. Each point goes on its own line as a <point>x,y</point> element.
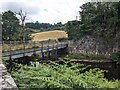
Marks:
<point>29,51</point>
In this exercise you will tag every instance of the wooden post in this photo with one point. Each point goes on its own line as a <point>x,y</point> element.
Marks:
<point>54,51</point>
<point>10,48</point>
<point>53,45</point>
<point>42,50</point>
<point>48,51</point>
<point>15,45</point>
<point>53,56</point>
<point>56,47</point>
<point>10,58</point>
<point>34,48</point>
<point>61,44</point>
<point>23,48</point>
<point>2,45</point>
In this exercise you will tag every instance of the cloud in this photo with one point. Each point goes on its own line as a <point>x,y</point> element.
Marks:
<point>16,6</point>
<point>46,11</point>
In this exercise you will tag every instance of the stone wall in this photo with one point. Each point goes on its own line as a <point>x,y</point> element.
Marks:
<point>91,45</point>
<point>6,81</point>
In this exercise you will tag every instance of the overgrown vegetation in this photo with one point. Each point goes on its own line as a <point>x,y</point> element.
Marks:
<point>73,29</point>
<point>62,39</point>
<point>100,19</point>
<point>116,57</point>
<point>12,30</point>
<point>64,76</point>
<point>86,56</point>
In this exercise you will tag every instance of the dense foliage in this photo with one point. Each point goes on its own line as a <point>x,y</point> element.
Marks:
<point>61,77</point>
<point>73,29</point>
<point>45,26</point>
<point>11,28</point>
<point>101,19</point>
<point>116,57</point>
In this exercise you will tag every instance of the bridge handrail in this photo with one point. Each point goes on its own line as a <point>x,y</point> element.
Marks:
<point>20,45</point>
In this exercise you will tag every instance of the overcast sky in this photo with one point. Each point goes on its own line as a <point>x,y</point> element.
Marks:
<point>45,11</point>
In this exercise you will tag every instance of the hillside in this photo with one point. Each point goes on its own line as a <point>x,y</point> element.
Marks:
<point>49,35</point>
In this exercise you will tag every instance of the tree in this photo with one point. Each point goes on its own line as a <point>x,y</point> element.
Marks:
<point>87,13</point>
<point>23,16</point>
<point>10,26</point>
<point>73,29</point>
<point>25,34</point>
<point>101,19</point>
<point>45,26</point>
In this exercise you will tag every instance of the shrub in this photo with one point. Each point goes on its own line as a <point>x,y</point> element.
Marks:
<point>61,77</point>
<point>62,39</point>
<point>116,57</point>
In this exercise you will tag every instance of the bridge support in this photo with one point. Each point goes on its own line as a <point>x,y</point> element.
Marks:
<point>43,56</point>
<point>54,55</point>
<point>10,63</point>
<point>49,54</point>
<point>62,51</point>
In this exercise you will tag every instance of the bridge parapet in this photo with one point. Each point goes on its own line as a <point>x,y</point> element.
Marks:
<point>21,45</point>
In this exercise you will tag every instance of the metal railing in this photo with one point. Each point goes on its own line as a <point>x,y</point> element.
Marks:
<point>12,47</point>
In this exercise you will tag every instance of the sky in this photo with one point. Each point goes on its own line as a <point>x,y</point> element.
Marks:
<point>45,11</point>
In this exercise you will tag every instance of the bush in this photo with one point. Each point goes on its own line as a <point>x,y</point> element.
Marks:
<point>62,39</point>
<point>116,57</point>
<point>61,77</point>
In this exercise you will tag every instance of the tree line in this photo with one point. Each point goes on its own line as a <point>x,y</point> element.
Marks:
<point>45,26</point>
<point>100,19</point>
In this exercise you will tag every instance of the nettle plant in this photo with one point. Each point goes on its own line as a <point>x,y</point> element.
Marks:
<point>68,75</point>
